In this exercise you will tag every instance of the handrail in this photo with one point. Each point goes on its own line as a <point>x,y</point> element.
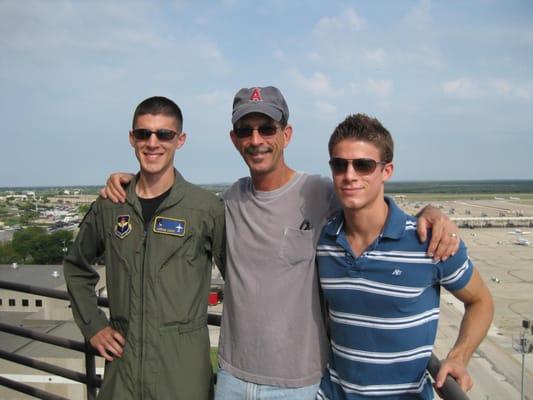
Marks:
<point>44,366</point>
<point>57,341</point>
<point>27,389</point>
<point>450,389</point>
<point>53,293</point>
<point>90,379</point>
<point>44,337</point>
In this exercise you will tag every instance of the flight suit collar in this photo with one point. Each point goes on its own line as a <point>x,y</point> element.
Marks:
<point>176,194</point>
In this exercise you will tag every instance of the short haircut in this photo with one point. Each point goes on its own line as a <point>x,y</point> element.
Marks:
<point>158,105</point>
<point>366,129</point>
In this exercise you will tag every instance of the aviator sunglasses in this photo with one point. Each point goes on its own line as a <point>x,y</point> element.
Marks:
<point>363,166</point>
<point>263,130</point>
<point>163,135</point>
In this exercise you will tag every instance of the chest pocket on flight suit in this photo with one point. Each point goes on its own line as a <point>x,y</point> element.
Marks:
<point>180,277</point>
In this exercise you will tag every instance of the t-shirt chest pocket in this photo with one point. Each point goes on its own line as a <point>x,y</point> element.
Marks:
<point>297,246</point>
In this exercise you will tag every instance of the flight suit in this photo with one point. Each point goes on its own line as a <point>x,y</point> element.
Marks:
<point>157,281</point>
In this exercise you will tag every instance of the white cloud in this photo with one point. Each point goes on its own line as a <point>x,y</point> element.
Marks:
<point>375,56</point>
<point>313,56</point>
<point>347,21</point>
<point>215,98</point>
<point>381,88</point>
<point>420,55</point>
<point>420,16</point>
<point>34,25</point>
<point>523,92</point>
<point>497,87</point>
<point>279,54</point>
<point>317,84</point>
<point>501,86</point>
<point>461,87</point>
<point>111,34</point>
<point>506,88</point>
<point>325,109</point>
<point>229,3</point>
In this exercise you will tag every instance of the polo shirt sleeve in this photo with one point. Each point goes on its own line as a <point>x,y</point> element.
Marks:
<point>455,273</point>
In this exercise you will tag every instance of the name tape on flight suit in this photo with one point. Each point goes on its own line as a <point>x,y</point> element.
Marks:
<point>169,226</point>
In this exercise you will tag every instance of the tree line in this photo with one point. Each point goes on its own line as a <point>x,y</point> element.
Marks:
<point>34,245</point>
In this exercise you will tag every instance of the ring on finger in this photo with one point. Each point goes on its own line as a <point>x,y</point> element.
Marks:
<point>453,235</point>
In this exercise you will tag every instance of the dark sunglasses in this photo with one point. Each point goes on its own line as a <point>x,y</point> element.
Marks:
<point>264,130</point>
<point>163,135</point>
<point>363,166</point>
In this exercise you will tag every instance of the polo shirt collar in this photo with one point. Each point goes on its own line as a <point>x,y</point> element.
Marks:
<point>394,225</point>
<point>334,226</point>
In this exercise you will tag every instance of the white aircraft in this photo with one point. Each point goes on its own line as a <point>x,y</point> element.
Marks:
<point>522,242</point>
<point>518,232</point>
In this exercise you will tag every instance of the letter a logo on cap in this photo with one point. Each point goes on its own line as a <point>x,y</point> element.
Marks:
<point>256,95</point>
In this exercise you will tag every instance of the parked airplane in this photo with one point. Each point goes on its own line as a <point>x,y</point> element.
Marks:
<point>518,232</point>
<point>522,242</point>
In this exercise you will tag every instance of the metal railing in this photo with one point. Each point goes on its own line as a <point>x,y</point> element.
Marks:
<point>92,381</point>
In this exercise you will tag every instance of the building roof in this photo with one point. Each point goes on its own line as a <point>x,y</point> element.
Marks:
<point>37,275</point>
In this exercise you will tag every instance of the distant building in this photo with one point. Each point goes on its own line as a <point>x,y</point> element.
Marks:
<point>47,315</point>
<point>17,197</point>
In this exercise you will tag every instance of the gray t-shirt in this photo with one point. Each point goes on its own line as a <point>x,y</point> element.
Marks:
<point>272,329</point>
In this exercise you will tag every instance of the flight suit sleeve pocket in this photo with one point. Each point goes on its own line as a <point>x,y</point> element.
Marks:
<point>118,282</point>
<point>297,246</point>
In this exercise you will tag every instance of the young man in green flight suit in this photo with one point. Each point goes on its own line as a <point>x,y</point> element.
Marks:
<point>158,247</point>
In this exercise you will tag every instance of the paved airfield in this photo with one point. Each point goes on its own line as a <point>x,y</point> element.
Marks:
<point>507,268</point>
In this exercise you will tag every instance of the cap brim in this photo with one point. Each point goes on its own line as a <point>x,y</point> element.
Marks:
<point>260,108</point>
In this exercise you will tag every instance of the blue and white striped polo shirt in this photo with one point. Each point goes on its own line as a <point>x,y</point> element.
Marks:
<point>383,309</point>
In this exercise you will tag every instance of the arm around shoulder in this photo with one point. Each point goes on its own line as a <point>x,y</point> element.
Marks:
<point>444,241</point>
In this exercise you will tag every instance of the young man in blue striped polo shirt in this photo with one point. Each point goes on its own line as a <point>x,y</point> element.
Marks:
<point>381,287</point>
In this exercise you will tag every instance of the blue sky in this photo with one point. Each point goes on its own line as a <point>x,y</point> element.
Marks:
<point>451,80</point>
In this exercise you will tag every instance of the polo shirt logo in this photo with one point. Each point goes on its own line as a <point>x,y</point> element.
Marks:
<point>397,272</point>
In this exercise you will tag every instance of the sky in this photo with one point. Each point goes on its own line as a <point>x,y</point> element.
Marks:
<point>451,80</point>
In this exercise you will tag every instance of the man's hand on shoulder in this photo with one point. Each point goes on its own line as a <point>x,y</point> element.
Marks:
<point>109,343</point>
<point>114,189</point>
<point>444,235</point>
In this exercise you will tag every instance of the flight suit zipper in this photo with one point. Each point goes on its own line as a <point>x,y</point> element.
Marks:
<point>142,328</point>
<point>144,281</point>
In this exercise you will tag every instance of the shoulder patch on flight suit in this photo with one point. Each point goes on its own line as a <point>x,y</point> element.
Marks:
<point>123,226</point>
<point>169,226</point>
